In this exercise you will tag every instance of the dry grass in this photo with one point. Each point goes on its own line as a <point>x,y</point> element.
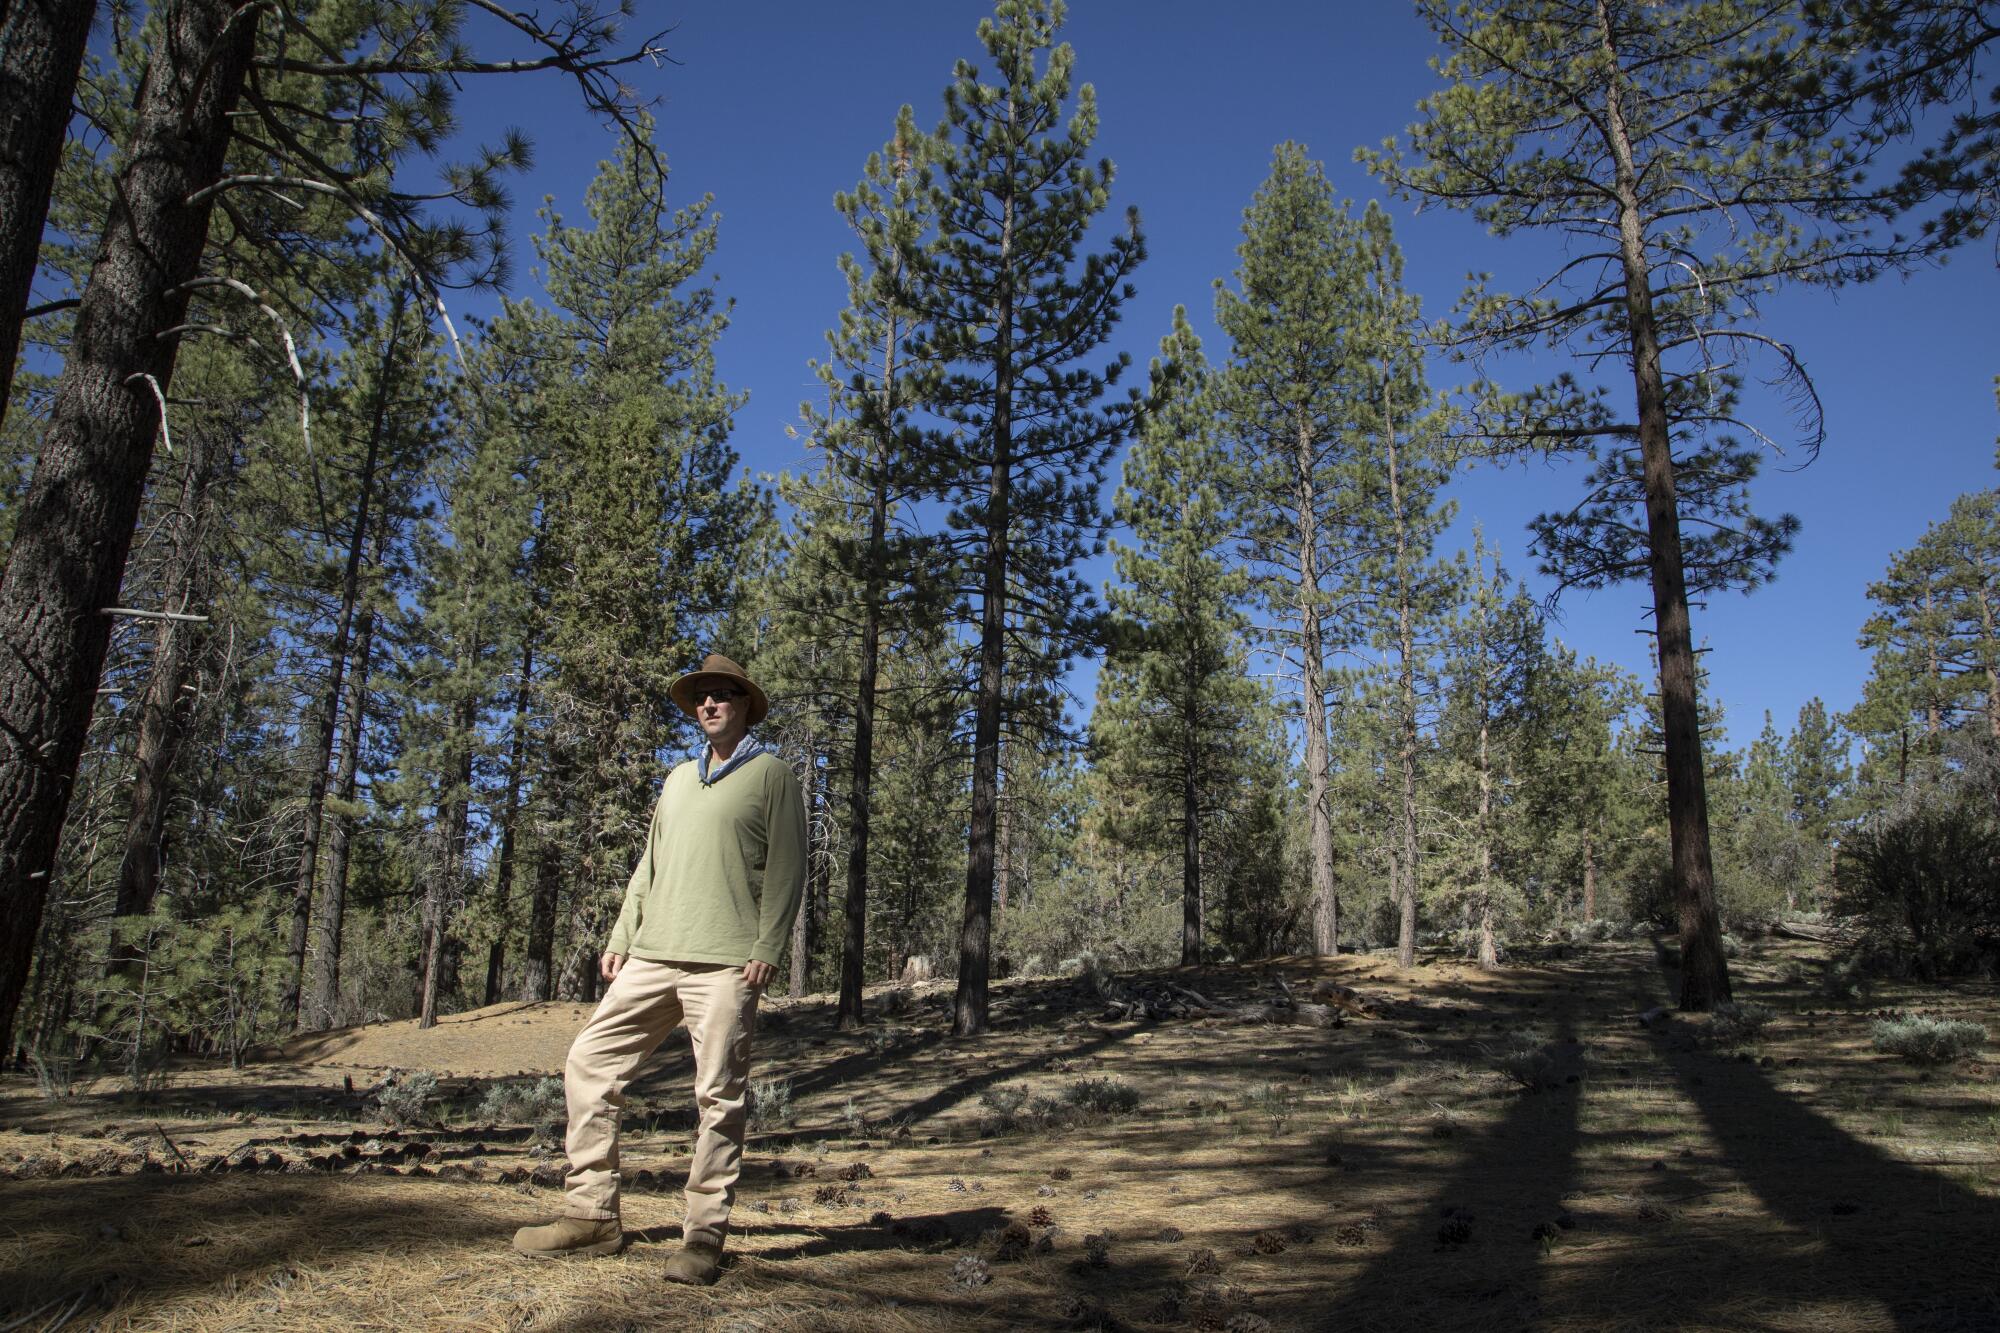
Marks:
<point>1385,1175</point>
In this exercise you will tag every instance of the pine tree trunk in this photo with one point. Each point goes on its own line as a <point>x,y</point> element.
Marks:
<point>1190,863</point>
<point>854,934</point>
<point>1489,953</point>
<point>854,937</point>
<point>326,714</point>
<point>1989,659</point>
<point>1589,876</point>
<point>975,931</point>
<point>800,949</point>
<point>446,887</point>
<point>1406,699</point>
<point>1704,971</point>
<point>1933,678</point>
<point>510,815</point>
<point>1312,679</point>
<point>169,699</point>
<point>76,522</point>
<point>805,926</point>
<point>322,990</point>
<point>41,53</point>
<point>1003,848</point>
<point>538,978</point>
<point>976,927</point>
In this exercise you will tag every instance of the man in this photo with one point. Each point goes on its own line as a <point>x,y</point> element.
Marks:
<point>705,918</point>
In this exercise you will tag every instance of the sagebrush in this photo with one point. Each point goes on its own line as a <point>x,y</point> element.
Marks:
<point>1928,1040</point>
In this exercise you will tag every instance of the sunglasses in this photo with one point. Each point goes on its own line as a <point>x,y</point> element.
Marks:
<point>720,696</point>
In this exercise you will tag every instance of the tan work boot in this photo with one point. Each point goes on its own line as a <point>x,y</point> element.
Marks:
<point>698,1263</point>
<point>567,1236</point>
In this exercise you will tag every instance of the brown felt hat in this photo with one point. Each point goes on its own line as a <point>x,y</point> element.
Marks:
<point>716,667</point>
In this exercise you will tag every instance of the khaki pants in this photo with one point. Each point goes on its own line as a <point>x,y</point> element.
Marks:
<point>645,1003</point>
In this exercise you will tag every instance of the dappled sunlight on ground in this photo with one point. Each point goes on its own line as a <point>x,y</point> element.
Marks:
<point>1490,1152</point>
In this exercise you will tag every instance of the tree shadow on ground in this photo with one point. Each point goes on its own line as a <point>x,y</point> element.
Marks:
<point>1467,1258</point>
<point>73,1234</point>
<point>1912,1240</point>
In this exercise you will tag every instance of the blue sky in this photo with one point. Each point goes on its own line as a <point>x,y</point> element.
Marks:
<point>775,105</point>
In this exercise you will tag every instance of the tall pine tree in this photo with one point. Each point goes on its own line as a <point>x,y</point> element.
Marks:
<point>1176,696</point>
<point>1288,394</point>
<point>1628,123</point>
<point>1010,312</point>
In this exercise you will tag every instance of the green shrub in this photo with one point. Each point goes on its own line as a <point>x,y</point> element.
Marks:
<point>1595,931</point>
<point>1928,1040</point>
<point>1527,1059</point>
<point>1102,1096</point>
<point>1734,1023</point>
<point>538,1103</point>
<point>771,1104</point>
<point>1925,879</point>
<point>1844,980</point>
<point>1010,1109</point>
<point>407,1101</point>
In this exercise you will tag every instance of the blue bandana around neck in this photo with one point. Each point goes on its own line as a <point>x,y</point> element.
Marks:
<point>746,749</point>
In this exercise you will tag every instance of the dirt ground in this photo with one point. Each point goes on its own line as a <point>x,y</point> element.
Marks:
<point>1506,1151</point>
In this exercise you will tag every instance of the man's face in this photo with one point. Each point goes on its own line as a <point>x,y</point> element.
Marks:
<point>723,710</point>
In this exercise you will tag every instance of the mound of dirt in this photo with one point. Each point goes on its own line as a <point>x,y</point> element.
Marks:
<point>499,1040</point>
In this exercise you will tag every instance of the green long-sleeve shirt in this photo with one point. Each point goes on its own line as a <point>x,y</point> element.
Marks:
<point>723,869</point>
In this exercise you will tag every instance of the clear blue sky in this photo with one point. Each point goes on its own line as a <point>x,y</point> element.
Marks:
<point>775,105</point>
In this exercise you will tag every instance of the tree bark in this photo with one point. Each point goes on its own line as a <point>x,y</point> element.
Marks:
<point>539,978</point>
<point>326,716</point>
<point>76,522</point>
<point>41,53</point>
<point>854,935</point>
<point>510,814</point>
<point>805,926</point>
<point>1406,698</point>
<point>969,1006</point>
<point>1190,859</point>
<point>169,700</point>
<point>1489,953</point>
<point>1312,674</point>
<point>322,991</point>
<point>975,931</point>
<point>1589,876</point>
<point>1704,971</point>
<point>447,888</point>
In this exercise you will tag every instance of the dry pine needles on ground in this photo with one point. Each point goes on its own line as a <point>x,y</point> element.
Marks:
<point>1469,1151</point>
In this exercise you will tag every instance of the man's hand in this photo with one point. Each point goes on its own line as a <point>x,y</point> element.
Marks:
<point>609,964</point>
<point>758,973</point>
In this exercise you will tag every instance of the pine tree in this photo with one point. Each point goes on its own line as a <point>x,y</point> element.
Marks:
<point>1578,783</point>
<point>1816,774</point>
<point>1400,467</point>
<point>332,126</point>
<point>1935,635</point>
<point>1288,394</point>
<point>638,522</point>
<point>1878,73</point>
<point>1626,121</point>
<point>1009,313</point>
<point>875,383</point>
<point>469,627</point>
<point>1174,695</point>
<point>1495,653</point>
<point>390,389</point>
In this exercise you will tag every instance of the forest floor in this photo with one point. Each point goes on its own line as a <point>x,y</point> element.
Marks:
<point>1504,1151</point>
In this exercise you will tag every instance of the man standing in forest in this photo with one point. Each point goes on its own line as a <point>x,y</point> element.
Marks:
<point>705,918</point>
